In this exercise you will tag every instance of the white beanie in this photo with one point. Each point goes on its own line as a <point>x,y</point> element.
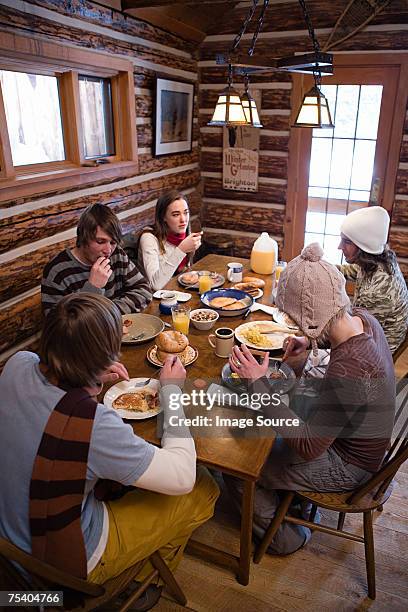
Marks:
<point>367,228</point>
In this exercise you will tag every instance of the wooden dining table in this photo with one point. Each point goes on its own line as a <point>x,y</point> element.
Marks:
<point>239,456</point>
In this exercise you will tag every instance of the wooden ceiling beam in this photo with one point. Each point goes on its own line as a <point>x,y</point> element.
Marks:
<point>169,23</point>
<point>136,4</point>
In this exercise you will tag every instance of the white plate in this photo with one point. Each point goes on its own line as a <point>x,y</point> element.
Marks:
<point>283,319</point>
<point>180,295</point>
<point>277,338</point>
<point>127,386</point>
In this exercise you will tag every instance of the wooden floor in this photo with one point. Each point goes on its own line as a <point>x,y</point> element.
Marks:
<point>328,574</point>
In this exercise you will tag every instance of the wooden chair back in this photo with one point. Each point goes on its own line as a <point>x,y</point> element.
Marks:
<point>396,455</point>
<point>81,595</point>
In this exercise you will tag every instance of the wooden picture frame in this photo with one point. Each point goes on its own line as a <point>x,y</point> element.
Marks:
<point>173,117</point>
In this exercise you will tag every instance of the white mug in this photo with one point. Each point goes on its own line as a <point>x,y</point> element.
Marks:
<point>234,272</point>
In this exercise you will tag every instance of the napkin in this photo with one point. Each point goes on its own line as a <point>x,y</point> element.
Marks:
<point>270,310</point>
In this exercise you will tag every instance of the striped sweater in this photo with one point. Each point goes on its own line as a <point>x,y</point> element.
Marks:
<point>65,274</point>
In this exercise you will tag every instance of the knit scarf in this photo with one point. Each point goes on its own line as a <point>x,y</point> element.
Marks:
<point>58,483</point>
<point>176,239</point>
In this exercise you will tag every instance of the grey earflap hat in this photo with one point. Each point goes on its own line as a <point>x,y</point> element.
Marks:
<point>311,291</point>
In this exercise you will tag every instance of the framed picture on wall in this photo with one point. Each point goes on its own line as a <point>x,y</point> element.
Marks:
<point>173,117</point>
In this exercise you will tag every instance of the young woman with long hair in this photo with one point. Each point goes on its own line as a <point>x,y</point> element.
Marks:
<point>167,247</point>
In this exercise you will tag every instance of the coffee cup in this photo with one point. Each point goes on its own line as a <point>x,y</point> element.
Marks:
<point>222,341</point>
<point>234,272</point>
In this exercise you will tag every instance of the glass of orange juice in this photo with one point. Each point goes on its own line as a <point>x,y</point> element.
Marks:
<point>204,282</point>
<point>280,266</point>
<point>181,318</point>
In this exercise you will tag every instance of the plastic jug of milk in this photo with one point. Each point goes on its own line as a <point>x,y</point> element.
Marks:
<point>264,254</point>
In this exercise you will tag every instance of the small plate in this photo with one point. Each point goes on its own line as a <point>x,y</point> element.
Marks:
<point>192,354</point>
<point>276,338</point>
<point>280,385</point>
<point>127,386</point>
<point>217,279</point>
<point>256,295</point>
<point>283,319</point>
<point>181,296</point>
<point>147,324</point>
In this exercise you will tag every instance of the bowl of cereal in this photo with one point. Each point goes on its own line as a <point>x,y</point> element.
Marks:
<point>203,318</point>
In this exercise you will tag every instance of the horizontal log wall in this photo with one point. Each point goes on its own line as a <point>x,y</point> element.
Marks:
<point>32,230</point>
<point>283,33</point>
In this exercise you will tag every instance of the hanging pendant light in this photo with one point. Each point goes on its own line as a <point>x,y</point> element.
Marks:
<point>249,105</point>
<point>229,110</point>
<point>314,111</point>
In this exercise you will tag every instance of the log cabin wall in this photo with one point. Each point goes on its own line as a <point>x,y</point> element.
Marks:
<point>284,33</point>
<point>35,228</point>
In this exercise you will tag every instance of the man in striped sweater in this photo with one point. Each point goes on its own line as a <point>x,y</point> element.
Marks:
<point>97,264</point>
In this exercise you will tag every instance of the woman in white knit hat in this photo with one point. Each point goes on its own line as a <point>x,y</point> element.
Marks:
<point>380,286</point>
<point>343,430</point>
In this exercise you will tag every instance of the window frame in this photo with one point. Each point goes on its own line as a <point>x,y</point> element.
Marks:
<point>388,137</point>
<point>19,53</point>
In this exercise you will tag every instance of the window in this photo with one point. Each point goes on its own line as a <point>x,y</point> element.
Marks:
<point>342,163</point>
<point>334,171</point>
<point>33,115</point>
<point>96,113</point>
<point>62,112</point>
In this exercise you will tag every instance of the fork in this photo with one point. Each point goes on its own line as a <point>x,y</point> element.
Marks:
<point>138,336</point>
<point>143,383</point>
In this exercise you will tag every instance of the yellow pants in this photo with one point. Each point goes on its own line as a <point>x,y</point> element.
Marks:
<point>142,522</point>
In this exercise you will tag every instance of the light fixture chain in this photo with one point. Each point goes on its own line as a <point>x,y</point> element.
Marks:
<point>244,26</point>
<point>315,42</point>
<point>258,28</point>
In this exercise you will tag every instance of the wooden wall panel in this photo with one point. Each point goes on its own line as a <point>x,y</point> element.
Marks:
<point>400,212</point>
<point>267,142</point>
<point>27,227</point>
<point>234,217</point>
<point>243,243</point>
<point>37,223</point>
<point>284,32</point>
<point>269,166</point>
<point>20,321</point>
<point>55,29</point>
<point>268,193</point>
<point>401,184</point>
<point>398,241</point>
<point>404,152</point>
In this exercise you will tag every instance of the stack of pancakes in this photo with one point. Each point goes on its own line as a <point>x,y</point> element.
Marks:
<point>251,285</point>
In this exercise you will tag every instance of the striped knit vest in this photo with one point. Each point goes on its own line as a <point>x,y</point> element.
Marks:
<point>58,483</point>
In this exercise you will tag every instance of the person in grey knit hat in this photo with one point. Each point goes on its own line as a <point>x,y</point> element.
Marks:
<point>312,291</point>
<point>341,438</point>
<point>379,284</point>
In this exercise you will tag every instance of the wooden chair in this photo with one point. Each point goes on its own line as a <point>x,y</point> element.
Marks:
<point>81,595</point>
<point>402,347</point>
<point>366,498</point>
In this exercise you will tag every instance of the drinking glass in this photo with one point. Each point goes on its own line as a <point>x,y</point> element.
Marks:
<point>204,283</point>
<point>181,318</point>
<point>280,266</point>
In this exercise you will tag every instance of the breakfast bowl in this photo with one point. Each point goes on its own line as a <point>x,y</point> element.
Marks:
<point>227,302</point>
<point>204,318</point>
